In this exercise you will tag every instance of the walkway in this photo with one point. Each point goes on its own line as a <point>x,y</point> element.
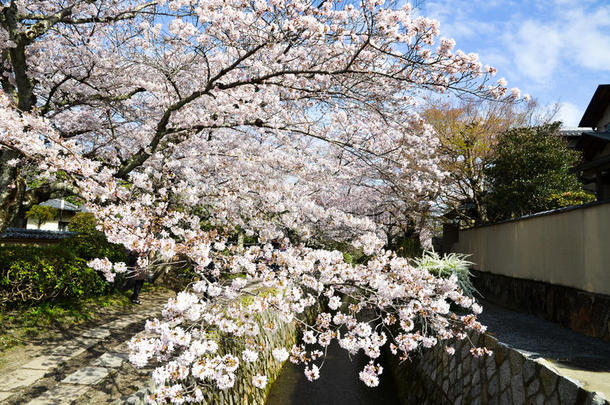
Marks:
<point>90,366</point>
<point>569,353</point>
<point>338,384</point>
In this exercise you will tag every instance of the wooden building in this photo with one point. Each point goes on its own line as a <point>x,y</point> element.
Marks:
<point>595,144</point>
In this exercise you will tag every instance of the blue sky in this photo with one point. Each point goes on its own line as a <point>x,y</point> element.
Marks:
<point>555,50</point>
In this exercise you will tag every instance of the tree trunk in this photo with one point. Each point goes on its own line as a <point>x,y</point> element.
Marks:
<point>12,189</point>
<point>12,185</point>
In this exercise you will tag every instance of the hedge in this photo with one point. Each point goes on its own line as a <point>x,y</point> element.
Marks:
<point>30,274</point>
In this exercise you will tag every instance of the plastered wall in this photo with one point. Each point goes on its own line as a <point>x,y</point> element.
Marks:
<point>569,248</point>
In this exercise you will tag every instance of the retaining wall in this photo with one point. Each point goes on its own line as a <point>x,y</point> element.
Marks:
<point>578,310</point>
<point>508,377</point>
<point>567,247</point>
<point>243,391</point>
<point>553,264</point>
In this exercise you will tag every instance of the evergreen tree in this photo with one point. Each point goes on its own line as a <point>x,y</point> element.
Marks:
<point>530,172</point>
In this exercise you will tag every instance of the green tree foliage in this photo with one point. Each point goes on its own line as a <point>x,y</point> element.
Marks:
<point>89,242</point>
<point>530,170</point>
<point>570,198</point>
<point>84,223</point>
<point>468,133</point>
<point>30,274</point>
<point>41,214</point>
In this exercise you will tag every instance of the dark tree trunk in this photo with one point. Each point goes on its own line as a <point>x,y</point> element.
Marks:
<point>12,184</point>
<point>12,189</point>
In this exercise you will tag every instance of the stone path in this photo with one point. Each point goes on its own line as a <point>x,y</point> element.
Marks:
<point>84,364</point>
<point>568,353</point>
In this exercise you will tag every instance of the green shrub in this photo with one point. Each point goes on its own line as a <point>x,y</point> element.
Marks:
<point>90,243</point>
<point>531,168</point>
<point>30,274</point>
<point>571,198</point>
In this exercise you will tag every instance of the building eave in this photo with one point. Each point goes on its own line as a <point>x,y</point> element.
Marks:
<point>598,104</point>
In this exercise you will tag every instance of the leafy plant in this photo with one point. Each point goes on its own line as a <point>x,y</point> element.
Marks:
<point>31,274</point>
<point>447,265</point>
<point>90,243</point>
<point>571,198</point>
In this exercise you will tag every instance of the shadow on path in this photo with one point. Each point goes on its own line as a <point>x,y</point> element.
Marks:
<point>338,384</point>
<point>541,338</point>
<point>569,353</point>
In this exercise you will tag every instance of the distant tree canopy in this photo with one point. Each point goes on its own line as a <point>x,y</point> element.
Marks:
<point>90,242</point>
<point>84,223</point>
<point>531,173</point>
<point>468,133</point>
<point>41,214</point>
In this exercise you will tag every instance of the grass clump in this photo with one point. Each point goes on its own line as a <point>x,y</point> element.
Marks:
<point>447,265</point>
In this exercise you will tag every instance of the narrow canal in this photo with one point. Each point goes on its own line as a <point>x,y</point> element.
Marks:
<point>338,384</point>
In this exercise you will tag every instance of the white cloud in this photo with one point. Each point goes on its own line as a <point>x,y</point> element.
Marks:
<point>551,49</point>
<point>568,36</point>
<point>570,114</point>
<point>542,38</point>
<point>589,37</point>
<point>536,50</point>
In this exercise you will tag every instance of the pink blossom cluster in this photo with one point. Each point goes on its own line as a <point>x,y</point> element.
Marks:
<point>384,303</point>
<point>189,126</point>
<point>290,110</point>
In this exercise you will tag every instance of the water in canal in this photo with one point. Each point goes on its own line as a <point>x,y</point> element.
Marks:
<point>338,384</point>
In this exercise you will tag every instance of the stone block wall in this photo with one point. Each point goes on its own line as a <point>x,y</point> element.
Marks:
<point>507,377</point>
<point>579,310</point>
<point>244,392</point>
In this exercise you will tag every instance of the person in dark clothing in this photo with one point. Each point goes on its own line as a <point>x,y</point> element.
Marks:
<point>210,277</point>
<point>140,275</point>
<point>137,287</point>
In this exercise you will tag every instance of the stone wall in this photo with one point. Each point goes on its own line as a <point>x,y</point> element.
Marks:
<point>244,392</point>
<point>507,377</point>
<point>581,311</point>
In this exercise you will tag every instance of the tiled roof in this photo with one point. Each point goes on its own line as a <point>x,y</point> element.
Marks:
<point>22,233</point>
<point>57,203</point>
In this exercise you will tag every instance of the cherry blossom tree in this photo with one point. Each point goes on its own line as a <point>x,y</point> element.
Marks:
<point>181,123</point>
